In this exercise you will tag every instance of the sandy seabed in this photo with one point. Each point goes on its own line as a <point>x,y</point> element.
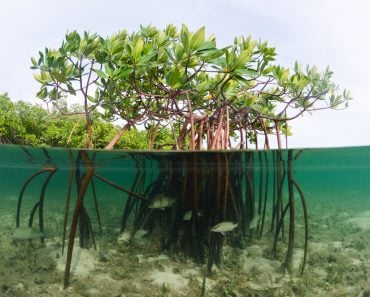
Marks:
<point>338,263</point>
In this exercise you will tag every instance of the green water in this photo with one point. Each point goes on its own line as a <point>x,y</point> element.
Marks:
<point>215,187</point>
<point>335,171</point>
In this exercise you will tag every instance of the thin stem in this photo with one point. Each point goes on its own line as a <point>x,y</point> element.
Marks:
<point>289,254</point>
<point>120,188</point>
<point>305,217</point>
<point>20,197</point>
<point>68,199</point>
<point>78,208</point>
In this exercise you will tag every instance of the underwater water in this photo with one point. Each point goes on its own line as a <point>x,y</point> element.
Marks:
<point>144,223</point>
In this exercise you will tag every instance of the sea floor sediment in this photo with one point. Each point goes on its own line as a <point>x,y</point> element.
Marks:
<point>338,263</point>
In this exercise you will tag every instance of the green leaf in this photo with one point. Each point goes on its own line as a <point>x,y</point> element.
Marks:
<point>184,38</point>
<point>179,51</point>
<point>34,62</point>
<point>43,78</point>
<point>41,59</point>
<point>71,89</point>
<point>266,70</point>
<point>91,99</point>
<point>58,76</point>
<point>108,70</point>
<point>54,94</point>
<point>69,70</point>
<point>211,54</point>
<point>100,56</point>
<point>100,73</point>
<point>120,73</point>
<point>118,46</point>
<point>171,30</point>
<point>38,78</point>
<point>229,59</point>
<point>207,46</point>
<point>197,39</point>
<point>242,59</point>
<point>42,94</point>
<point>218,63</point>
<point>240,78</point>
<point>284,75</point>
<point>138,48</point>
<point>246,72</point>
<point>173,78</point>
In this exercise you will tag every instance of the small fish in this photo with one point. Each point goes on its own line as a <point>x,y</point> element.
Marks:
<point>49,167</point>
<point>127,236</point>
<point>254,223</point>
<point>161,202</point>
<point>139,234</point>
<point>224,227</point>
<point>124,237</point>
<point>187,215</point>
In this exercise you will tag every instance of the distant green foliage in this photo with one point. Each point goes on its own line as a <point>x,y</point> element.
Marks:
<point>134,139</point>
<point>11,127</point>
<point>35,121</point>
<point>28,124</point>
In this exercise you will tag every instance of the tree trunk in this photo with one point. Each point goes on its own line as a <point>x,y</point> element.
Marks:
<point>117,137</point>
<point>89,130</point>
<point>192,131</point>
<point>154,136</point>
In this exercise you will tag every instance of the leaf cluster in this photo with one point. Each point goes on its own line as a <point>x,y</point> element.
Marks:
<point>181,76</point>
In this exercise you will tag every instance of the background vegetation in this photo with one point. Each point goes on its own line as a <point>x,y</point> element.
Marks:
<point>30,124</point>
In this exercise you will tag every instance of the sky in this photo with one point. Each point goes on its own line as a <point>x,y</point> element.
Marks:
<point>334,33</point>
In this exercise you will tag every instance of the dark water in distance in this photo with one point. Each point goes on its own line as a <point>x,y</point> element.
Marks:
<point>335,174</point>
<point>336,171</point>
